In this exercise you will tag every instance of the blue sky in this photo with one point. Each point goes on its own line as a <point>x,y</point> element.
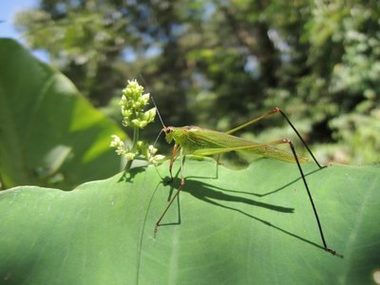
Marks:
<point>8,9</point>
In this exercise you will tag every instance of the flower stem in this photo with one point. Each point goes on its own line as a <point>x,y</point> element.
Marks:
<point>136,133</point>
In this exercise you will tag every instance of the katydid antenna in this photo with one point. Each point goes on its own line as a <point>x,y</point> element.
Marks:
<point>157,112</point>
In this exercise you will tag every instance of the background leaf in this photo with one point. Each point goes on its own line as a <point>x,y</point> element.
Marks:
<point>253,226</point>
<point>49,134</point>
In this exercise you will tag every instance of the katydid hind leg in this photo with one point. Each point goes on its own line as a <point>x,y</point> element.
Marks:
<point>277,110</point>
<point>253,121</point>
<point>299,136</point>
<point>289,142</point>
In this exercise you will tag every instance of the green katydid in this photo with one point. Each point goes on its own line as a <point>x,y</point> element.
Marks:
<point>204,142</point>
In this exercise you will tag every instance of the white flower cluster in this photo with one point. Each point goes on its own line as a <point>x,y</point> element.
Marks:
<point>152,157</point>
<point>132,103</point>
<point>118,144</point>
<point>146,151</point>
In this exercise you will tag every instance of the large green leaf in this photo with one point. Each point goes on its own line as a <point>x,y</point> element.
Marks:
<point>48,132</point>
<point>253,226</point>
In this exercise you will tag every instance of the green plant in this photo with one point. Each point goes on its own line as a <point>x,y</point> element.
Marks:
<point>247,226</point>
<point>132,103</point>
<point>49,134</point>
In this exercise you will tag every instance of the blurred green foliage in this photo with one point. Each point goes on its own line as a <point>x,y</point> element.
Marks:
<point>49,135</point>
<point>219,63</point>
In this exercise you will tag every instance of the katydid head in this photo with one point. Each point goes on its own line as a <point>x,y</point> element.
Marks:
<point>168,133</point>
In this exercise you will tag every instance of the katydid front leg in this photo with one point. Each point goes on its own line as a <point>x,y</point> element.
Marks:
<point>172,159</point>
<point>182,183</point>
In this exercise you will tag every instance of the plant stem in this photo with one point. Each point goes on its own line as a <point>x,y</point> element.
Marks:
<point>136,133</point>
